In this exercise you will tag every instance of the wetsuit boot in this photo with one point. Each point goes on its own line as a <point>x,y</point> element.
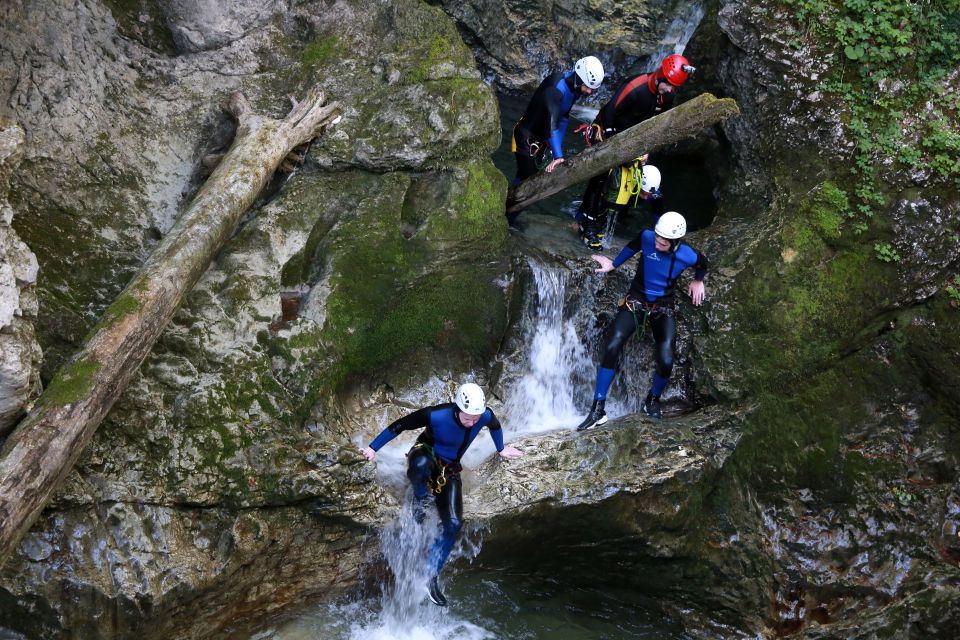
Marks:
<point>651,406</point>
<point>596,416</point>
<point>436,595</point>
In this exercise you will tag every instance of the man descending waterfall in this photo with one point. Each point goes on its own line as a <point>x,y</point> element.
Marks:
<point>628,186</point>
<point>433,464</point>
<point>545,120</point>
<point>650,299</point>
<point>637,99</point>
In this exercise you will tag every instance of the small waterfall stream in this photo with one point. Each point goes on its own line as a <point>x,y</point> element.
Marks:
<point>678,34</point>
<point>559,364</point>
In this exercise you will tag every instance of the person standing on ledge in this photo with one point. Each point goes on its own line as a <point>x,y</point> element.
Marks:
<point>663,257</point>
<point>433,464</point>
<point>545,120</point>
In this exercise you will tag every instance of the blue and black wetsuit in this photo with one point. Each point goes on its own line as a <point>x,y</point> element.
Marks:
<point>650,298</point>
<point>635,100</point>
<point>437,455</point>
<point>545,122</point>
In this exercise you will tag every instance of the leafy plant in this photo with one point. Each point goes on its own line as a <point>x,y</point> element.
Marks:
<point>886,253</point>
<point>893,56</point>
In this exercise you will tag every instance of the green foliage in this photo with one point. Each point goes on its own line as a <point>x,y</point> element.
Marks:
<point>893,56</point>
<point>885,252</point>
<point>953,291</point>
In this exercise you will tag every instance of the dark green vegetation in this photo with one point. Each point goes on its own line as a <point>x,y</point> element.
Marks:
<point>889,62</point>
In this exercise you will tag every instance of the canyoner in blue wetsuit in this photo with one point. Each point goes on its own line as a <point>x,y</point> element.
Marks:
<point>545,121</point>
<point>663,257</point>
<point>433,464</point>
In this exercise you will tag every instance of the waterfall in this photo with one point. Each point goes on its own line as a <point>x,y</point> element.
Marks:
<point>559,367</point>
<point>678,35</point>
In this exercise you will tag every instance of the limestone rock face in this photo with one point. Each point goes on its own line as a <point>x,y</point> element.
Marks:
<point>20,354</point>
<point>517,42</point>
<point>843,357</point>
<point>201,25</point>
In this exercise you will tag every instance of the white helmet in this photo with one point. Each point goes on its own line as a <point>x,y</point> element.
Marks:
<point>650,181</point>
<point>590,70</point>
<point>671,226</point>
<point>470,399</point>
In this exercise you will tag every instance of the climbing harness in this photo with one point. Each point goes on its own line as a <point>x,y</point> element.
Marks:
<point>636,306</point>
<point>536,148</point>
<point>438,481</point>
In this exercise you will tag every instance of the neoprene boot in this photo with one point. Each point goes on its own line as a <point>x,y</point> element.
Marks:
<point>433,590</point>
<point>596,416</point>
<point>651,406</point>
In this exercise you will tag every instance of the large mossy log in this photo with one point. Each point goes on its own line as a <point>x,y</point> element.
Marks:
<point>47,443</point>
<point>683,121</point>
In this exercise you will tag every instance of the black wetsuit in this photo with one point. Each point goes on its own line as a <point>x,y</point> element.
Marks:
<point>593,214</point>
<point>437,455</point>
<point>544,122</point>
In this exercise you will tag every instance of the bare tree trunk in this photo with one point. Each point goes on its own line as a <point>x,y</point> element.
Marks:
<point>47,443</point>
<point>683,121</point>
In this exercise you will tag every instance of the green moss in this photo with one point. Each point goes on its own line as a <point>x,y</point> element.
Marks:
<point>72,383</point>
<point>320,51</point>
<point>123,306</point>
<point>478,192</point>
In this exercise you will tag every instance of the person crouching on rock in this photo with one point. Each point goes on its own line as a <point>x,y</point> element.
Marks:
<point>663,257</point>
<point>433,464</point>
<point>545,121</point>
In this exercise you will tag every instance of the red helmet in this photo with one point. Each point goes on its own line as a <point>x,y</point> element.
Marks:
<point>675,69</point>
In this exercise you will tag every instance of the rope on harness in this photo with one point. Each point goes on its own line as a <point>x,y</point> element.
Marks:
<point>592,133</point>
<point>632,304</point>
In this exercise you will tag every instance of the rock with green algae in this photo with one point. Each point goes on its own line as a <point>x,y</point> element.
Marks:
<point>849,446</point>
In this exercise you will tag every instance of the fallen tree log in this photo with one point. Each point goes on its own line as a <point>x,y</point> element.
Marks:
<point>47,443</point>
<point>683,121</point>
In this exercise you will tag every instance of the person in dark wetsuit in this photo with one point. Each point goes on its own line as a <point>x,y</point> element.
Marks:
<point>433,464</point>
<point>639,97</point>
<point>629,186</point>
<point>545,121</point>
<point>651,297</point>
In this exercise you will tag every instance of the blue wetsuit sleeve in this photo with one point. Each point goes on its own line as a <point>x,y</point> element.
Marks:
<point>416,420</point>
<point>496,432</point>
<point>558,121</point>
<point>626,253</point>
<point>556,138</point>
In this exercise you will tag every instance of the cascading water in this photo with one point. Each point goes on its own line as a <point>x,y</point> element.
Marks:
<point>542,398</point>
<point>678,34</point>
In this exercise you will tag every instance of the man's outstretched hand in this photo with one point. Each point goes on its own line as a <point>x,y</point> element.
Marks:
<point>510,452</point>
